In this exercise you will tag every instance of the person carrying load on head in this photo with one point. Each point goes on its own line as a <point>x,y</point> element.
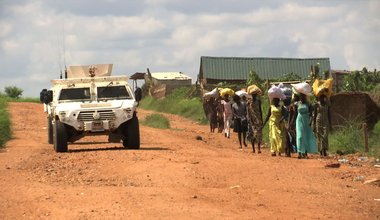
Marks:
<point>227,109</point>
<point>322,118</point>
<point>276,119</point>
<point>255,117</point>
<point>306,142</point>
<point>287,109</point>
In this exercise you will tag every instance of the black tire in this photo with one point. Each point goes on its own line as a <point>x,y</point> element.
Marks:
<point>131,132</point>
<point>59,137</point>
<point>50,130</point>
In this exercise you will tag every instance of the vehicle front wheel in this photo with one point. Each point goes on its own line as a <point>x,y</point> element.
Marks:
<point>59,137</point>
<point>131,133</point>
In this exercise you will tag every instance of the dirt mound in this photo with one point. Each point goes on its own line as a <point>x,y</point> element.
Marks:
<point>354,107</point>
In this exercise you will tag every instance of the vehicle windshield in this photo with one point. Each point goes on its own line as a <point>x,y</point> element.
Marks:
<point>82,94</point>
<point>113,92</point>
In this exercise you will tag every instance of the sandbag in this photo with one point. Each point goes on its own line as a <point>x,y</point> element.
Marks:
<point>302,88</point>
<point>242,93</point>
<point>276,92</point>
<point>226,91</point>
<point>323,87</point>
<point>287,91</point>
<point>253,89</point>
<point>212,94</point>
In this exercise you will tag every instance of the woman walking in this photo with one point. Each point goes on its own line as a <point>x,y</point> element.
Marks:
<point>255,118</point>
<point>322,117</point>
<point>227,115</point>
<point>276,121</point>
<point>306,142</point>
<point>322,124</point>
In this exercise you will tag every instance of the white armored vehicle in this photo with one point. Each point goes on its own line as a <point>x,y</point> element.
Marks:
<point>89,101</point>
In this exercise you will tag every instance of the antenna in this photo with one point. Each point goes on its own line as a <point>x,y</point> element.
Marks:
<point>59,55</point>
<point>64,50</point>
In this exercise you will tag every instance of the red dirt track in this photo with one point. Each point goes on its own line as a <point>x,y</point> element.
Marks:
<point>172,176</point>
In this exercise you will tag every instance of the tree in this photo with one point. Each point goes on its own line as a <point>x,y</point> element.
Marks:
<point>13,92</point>
<point>254,78</point>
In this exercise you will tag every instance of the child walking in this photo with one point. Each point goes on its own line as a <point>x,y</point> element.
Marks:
<point>239,111</point>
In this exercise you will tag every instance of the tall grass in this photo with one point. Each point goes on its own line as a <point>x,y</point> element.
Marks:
<point>374,143</point>
<point>350,139</point>
<point>5,124</point>
<point>178,102</point>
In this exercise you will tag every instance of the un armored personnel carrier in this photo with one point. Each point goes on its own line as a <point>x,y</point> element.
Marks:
<point>89,101</point>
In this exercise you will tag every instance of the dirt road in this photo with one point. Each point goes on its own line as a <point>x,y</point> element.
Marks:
<point>172,176</point>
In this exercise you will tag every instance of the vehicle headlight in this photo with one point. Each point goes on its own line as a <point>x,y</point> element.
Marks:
<point>62,114</point>
<point>128,110</point>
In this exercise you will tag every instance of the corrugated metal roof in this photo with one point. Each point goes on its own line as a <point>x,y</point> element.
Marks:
<point>238,68</point>
<point>170,76</point>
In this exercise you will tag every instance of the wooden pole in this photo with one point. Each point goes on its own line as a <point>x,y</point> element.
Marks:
<point>365,130</point>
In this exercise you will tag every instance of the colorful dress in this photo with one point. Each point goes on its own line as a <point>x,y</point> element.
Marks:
<point>276,130</point>
<point>305,138</point>
<point>322,126</point>
<point>255,121</point>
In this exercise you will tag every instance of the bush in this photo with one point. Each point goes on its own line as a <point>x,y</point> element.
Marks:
<point>156,121</point>
<point>347,140</point>
<point>178,102</point>
<point>5,128</point>
<point>13,92</point>
<point>374,144</point>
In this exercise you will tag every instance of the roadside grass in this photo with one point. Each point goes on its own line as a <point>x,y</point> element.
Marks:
<point>156,121</point>
<point>350,139</point>
<point>5,124</point>
<point>178,102</point>
<point>374,143</point>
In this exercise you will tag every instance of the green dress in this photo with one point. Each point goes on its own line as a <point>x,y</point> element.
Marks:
<point>322,126</point>
<point>276,130</point>
<point>306,142</point>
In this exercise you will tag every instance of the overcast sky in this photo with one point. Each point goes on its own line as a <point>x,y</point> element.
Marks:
<point>38,36</point>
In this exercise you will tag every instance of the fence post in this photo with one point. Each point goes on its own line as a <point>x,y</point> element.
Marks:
<point>365,130</point>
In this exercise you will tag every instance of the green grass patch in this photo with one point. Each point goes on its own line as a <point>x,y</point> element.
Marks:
<point>178,102</point>
<point>374,143</point>
<point>349,139</point>
<point>26,99</point>
<point>5,124</point>
<point>156,121</point>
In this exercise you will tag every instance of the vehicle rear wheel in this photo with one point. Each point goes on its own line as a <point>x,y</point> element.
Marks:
<point>50,130</point>
<point>131,132</point>
<point>59,137</point>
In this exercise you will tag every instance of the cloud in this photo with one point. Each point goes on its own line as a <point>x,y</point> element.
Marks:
<point>37,36</point>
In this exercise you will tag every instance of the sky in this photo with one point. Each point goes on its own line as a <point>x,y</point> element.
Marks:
<point>39,37</point>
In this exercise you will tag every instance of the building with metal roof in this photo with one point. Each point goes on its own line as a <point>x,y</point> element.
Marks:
<point>236,69</point>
